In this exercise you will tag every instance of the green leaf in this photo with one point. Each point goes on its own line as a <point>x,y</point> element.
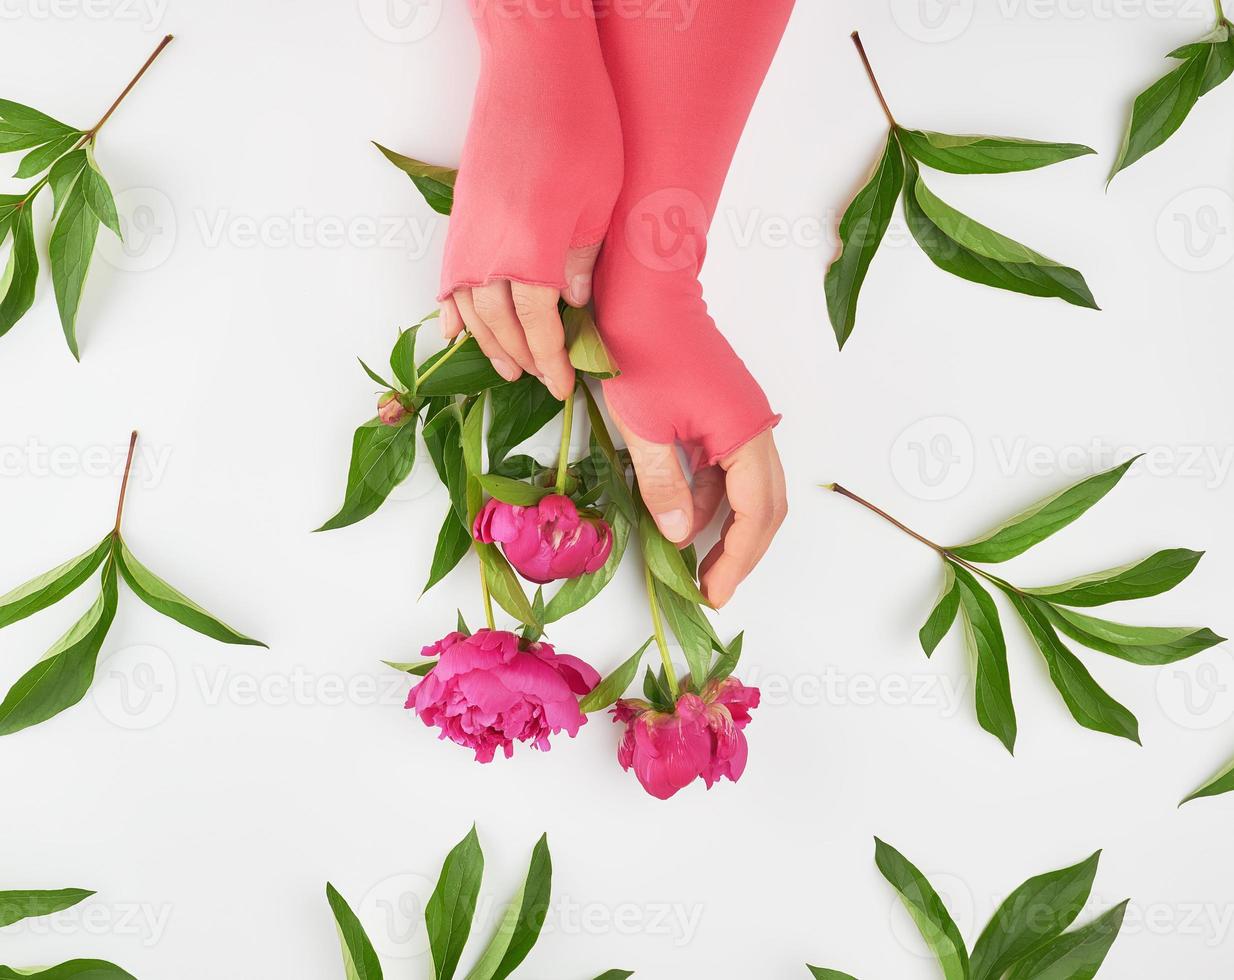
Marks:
<point>657,692</point>
<point>100,200</point>
<point>861,231</point>
<point>70,251</point>
<point>375,376</point>
<point>1032,526</point>
<point>520,410</point>
<point>524,918</point>
<point>21,274</point>
<point>1032,915</point>
<point>435,183</point>
<point>64,175</point>
<point>1029,278</point>
<point>72,970</point>
<point>615,975</point>
<point>504,584</point>
<point>664,559</point>
<point>63,676</point>
<point>18,905</point>
<point>381,458</point>
<point>161,597</point>
<point>985,154</point>
<point>467,372</point>
<point>615,685</point>
<point>983,636</point>
<point>1221,783</point>
<point>943,614</point>
<point>693,631</point>
<point>359,958</point>
<point>585,346</point>
<point>473,456</point>
<point>1162,108</point>
<point>728,659</point>
<point>1149,576</point>
<point>615,476</point>
<point>513,491</point>
<point>1087,701</point>
<point>50,587</point>
<point>577,592</point>
<point>417,669</point>
<point>1074,955</point>
<point>452,905</point>
<point>453,542</point>
<point>927,909</point>
<point>1146,645</point>
<point>42,157</point>
<point>403,358</point>
<point>822,974</point>
<point>18,118</point>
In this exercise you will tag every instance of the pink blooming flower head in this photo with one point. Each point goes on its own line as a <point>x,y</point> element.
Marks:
<point>548,541</point>
<point>390,410</point>
<point>492,689</point>
<point>702,738</point>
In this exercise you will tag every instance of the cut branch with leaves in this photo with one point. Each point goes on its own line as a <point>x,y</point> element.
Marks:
<point>62,157</point>
<point>1026,939</point>
<point>449,916</point>
<point>953,241</point>
<point>1047,611</point>
<point>64,675</point>
<point>17,905</point>
<point>1163,107</point>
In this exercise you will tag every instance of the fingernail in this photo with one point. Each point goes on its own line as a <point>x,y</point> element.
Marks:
<point>673,525</point>
<point>580,288</point>
<point>505,368</point>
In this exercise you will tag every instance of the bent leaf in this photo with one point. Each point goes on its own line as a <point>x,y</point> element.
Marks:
<point>1145,645</point>
<point>50,587</point>
<point>585,346</point>
<point>21,275</point>
<point>70,250</point>
<point>943,614</point>
<point>381,458</point>
<point>1150,576</point>
<point>983,635</point>
<point>524,918</point>
<point>435,183</point>
<point>927,909</point>
<point>161,597</point>
<point>359,958</point>
<point>861,232</point>
<point>452,905</point>
<point>615,685</point>
<point>1017,534</point>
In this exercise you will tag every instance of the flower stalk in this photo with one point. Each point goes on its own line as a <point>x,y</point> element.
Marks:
<point>563,456</point>
<point>450,352</point>
<point>488,597</point>
<point>657,624</point>
<point>865,60</point>
<point>124,483</point>
<point>93,131</point>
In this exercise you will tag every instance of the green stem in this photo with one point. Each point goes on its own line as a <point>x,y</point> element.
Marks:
<point>1220,12</point>
<point>563,457</point>
<point>488,598</point>
<point>93,131</point>
<point>942,552</point>
<point>657,625</point>
<point>124,484</point>
<point>450,352</point>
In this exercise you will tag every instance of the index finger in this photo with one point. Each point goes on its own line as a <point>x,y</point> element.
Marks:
<point>536,307</point>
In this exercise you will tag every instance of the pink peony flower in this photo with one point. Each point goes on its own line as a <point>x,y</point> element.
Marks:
<point>702,738</point>
<point>390,410</point>
<point>492,689</point>
<point>548,541</point>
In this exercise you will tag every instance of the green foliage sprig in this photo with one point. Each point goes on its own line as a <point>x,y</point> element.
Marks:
<point>64,157</point>
<point>1025,940</point>
<point>1162,108</point>
<point>63,676</point>
<point>953,241</point>
<point>449,916</point>
<point>1050,610</point>
<point>18,905</point>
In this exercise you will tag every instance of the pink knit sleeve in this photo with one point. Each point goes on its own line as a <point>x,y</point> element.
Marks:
<point>541,165</point>
<point>685,78</point>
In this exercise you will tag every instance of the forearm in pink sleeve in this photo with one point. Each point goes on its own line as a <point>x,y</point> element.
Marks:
<point>684,90</point>
<point>541,165</point>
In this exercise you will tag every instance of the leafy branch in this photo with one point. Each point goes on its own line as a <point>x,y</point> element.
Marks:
<point>1163,107</point>
<point>1049,610</point>
<point>449,916</point>
<point>1026,939</point>
<point>27,904</point>
<point>953,241</point>
<point>64,157</point>
<point>64,675</point>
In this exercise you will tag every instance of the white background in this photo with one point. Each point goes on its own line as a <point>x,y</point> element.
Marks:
<point>209,792</point>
